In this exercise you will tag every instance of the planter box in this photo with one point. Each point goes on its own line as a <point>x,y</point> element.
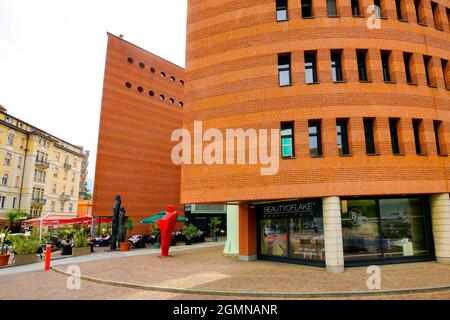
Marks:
<point>81,251</point>
<point>4,258</point>
<point>25,259</point>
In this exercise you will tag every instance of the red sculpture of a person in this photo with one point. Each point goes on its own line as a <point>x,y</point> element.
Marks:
<point>166,225</point>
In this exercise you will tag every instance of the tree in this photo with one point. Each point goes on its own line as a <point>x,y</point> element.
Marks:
<point>14,216</point>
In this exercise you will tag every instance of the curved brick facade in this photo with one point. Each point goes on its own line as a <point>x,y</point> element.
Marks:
<point>232,82</point>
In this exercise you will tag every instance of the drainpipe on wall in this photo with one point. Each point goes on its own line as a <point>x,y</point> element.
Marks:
<point>23,171</point>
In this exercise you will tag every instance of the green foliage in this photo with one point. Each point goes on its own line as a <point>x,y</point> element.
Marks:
<point>106,228</point>
<point>189,231</point>
<point>80,238</point>
<point>154,229</point>
<point>14,216</point>
<point>128,225</point>
<point>3,237</point>
<point>214,226</point>
<point>23,245</point>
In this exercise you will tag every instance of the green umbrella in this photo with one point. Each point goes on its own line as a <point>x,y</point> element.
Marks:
<point>158,216</point>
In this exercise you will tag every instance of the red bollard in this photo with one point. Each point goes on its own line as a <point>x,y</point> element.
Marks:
<point>48,255</point>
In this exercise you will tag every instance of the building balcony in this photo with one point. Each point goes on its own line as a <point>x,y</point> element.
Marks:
<point>84,172</point>
<point>84,163</point>
<point>38,202</point>
<point>42,164</point>
<point>65,197</point>
<point>67,166</point>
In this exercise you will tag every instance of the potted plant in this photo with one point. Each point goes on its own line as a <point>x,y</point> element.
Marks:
<point>4,255</point>
<point>25,248</point>
<point>128,226</point>
<point>155,229</point>
<point>214,226</point>
<point>81,243</point>
<point>189,232</point>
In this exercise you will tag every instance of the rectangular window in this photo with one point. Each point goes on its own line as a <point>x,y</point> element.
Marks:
<point>407,56</point>
<point>284,69</point>
<point>399,6</point>
<point>379,10</point>
<point>14,203</point>
<point>420,14</point>
<point>307,10</point>
<point>385,57</point>
<point>342,135</point>
<point>361,56</point>
<point>10,139</point>
<point>393,127</point>
<point>287,140</point>
<point>2,202</point>
<point>356,10</point>
<point>336,66</point>
<point>446,72</point>
<point>369,135</point>
<point>332,8</point>
<point>310,67</point>
<point>428,73</point>
<point>417,124</point>
<point>437,134</point>
<point>436,16</point>
<point>282,10</point>
<point>315,138</point>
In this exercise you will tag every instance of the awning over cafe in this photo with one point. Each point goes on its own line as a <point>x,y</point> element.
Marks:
<point>58,220</point>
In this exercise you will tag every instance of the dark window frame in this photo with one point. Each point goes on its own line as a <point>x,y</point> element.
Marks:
<point>399,9</point>
<point>393,130</point>
<point>284,126</point>
<point>437,127</point>
<point>385,64</point>
<point>332,8</point>
<point>361,57</point>
<point>317,124</point>
<point>342,132</point>
<point>313,66</point>
<point>307,5</point>
<point>369,136</point>
<point>356,8</point>
<point>284,64</point>
<point>417,124</point>
<point>407,56</point>
<point>282,6</point>
<point>337,73</point>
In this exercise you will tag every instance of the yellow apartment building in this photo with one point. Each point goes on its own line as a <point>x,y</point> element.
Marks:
<point>39,172</point>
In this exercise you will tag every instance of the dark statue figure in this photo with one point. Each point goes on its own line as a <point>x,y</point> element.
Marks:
<point>122,219</point>
<point>115,222</point>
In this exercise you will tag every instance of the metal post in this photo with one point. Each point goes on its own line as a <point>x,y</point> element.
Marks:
<point>40,225</point>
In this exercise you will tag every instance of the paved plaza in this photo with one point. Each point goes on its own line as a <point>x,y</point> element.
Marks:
<point>143,275</point>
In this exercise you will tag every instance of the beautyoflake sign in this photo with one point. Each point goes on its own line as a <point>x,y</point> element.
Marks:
<point>307,207</point>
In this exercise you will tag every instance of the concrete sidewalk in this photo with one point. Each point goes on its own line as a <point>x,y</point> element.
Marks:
<point>104,255</point>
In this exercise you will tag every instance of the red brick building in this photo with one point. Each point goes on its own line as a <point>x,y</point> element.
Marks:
<point>142,104</point>
<point>364,117</point>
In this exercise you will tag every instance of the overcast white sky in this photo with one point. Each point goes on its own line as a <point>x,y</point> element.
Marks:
<point>52,55</point>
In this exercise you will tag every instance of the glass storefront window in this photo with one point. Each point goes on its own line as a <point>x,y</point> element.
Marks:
<point>383,228</point>
<point>274,237</point>
<point>306,238</point>
<point>292,230</point>
<point>402,227</point>
<point>360,229</point>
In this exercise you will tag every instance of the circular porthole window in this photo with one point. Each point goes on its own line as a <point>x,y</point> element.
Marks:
<point>142,65</point>
<point>130,60</point>
<point>140,89</point>
<point>163,74</point>
<point>172,78</point>
<point>151,93</point>
<point>162,98</point>
<point>181,104</point>
<point>128,85</point>
<point>152,70</point>
<point>181,83</point>
<point>171,101</point>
